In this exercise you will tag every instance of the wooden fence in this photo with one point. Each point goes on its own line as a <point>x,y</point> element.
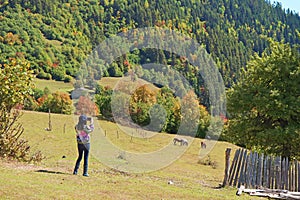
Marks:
<point>254,170</point>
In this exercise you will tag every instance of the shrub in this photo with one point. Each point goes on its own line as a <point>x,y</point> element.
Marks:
<point>15,84</point>
<point>58,74</point>
<point>208,161</point>
<point>61,103</point>
<point>37,93</point>
<point>12,146</point>
<point>44,75</point>
<point>86,106</point>
<point>68,79</point>
<point>30,103</point>
<point>57,102</point>
<point>78,84</point>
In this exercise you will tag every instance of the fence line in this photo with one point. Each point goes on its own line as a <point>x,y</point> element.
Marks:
<point>254,170</point>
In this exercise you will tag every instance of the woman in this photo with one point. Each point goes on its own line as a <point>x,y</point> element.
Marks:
<point>83,142</point>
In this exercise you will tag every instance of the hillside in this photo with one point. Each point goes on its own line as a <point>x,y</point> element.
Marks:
<point>56,36</point>
<point>54,45</point>
<point>53,179</point>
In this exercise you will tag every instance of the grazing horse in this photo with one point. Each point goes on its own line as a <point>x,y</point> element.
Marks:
<point>203,145</point>
<point>182,141</point>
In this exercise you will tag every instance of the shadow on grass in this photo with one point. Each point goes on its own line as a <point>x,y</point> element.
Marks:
<point>220,186</point>
<point>50,172</point>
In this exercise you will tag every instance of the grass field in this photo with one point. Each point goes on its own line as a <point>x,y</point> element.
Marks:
<point>109,81</point>
<point>53,179</point>
<point>53,85</point>
<point>119,81</point>
<point>67,87</point>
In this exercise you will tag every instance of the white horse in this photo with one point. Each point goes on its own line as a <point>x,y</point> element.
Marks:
<point>182,141</point>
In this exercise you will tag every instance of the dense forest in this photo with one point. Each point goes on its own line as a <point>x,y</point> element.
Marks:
<point>56,36</point>
<point>253,43</point>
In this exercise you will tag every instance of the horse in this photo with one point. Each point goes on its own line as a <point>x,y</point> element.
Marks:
<point>182,141</point>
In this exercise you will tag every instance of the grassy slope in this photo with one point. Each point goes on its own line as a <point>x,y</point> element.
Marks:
<point>53,179</point>
<point>67,87</point>
<point>53,85</point>
<point>109,81</point>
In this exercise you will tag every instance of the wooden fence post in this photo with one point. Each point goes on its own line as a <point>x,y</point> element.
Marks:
<point>50,124</point>
<point>249,170</point>
<point>233,166</point>
<point>271,173</point>
<point>283,170</point>
<point>242,179</point>
<point>238,169</point>
<point>296,176</point>
<point>291,175</point>
<point>260,170</point>
<point>227,165</point>
<point>65,128</point>
<point>254,169</point>
<point>277,166</point>
<point>298,189</point>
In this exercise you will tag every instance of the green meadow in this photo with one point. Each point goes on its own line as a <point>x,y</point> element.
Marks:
<point>53,178</point>
<point>53,85</point>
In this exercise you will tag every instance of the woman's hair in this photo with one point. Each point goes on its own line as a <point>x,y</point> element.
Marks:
<point>82,122</point>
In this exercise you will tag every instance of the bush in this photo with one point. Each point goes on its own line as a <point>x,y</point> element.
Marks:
<point>37,93</point>
<point>57,102</point>
<point>58,74</point>
<point>30,103</point>
<point>208,161</point>
<point>114,70</point>
<point>87,106</point>
<point>12,146</point>
<point>103,101</point>
<point>68,79</point>
<point>78,84</point>
<point>44,75</point>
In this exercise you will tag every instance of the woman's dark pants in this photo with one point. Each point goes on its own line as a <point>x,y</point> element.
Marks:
<point>82,149</point>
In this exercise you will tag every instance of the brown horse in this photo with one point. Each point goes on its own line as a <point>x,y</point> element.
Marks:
<point>203,145</point>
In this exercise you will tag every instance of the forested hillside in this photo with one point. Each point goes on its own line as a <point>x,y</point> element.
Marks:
<point>255,44</point>
<point>57,35</point>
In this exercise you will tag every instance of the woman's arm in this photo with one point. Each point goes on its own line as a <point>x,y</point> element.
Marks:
<point>90,127</point>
